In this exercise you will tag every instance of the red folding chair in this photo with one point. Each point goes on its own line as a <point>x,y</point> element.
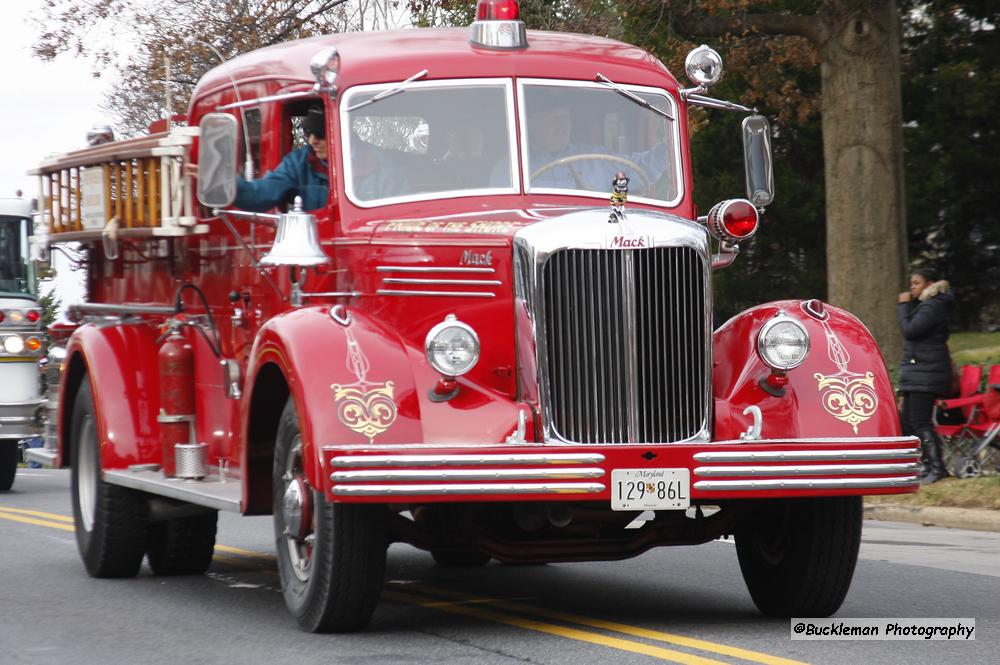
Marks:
<point>971,378</point>
<point>977,438</point>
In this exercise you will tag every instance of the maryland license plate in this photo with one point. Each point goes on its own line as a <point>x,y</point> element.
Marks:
<point>650,489</point>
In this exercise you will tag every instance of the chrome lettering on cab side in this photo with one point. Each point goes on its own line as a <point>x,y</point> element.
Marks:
<point>470,258</point>
<point>624,241</point>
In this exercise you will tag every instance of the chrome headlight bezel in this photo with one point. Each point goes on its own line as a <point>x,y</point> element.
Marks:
<point>451,323</point>
<point>766,334</point>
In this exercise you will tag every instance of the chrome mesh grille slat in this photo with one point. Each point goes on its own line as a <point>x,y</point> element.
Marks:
<point>586,299</point>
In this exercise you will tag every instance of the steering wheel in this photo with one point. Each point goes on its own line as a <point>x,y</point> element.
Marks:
<point>566,161</point>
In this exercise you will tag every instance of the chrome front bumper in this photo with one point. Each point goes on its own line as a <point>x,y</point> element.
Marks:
<point>20,420</point>
<point>530,472</point>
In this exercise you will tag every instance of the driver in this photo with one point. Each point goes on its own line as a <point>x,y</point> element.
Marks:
<point>550,127</point>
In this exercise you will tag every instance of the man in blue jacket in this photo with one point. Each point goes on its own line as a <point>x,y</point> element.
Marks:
<point>302,172</point>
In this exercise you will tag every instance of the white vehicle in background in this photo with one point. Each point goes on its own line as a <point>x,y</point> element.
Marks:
<point>22,340</point>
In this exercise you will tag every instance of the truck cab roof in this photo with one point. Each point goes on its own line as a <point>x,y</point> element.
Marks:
<point>378,57</point>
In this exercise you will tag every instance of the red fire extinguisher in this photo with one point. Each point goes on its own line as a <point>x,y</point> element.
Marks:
<point>176,360</point>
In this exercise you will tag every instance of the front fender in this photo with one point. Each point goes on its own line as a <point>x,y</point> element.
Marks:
<point>841,390</point>
<point>363,384</point>
<point>120,362</point>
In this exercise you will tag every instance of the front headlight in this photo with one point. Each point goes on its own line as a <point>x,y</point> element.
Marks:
<point>783,343</point>
<point>452,347</point>
<point>13,344</point>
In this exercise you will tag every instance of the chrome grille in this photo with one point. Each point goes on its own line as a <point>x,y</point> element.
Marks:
<point>625,336</point>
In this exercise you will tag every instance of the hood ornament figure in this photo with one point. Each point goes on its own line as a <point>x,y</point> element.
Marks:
<point>619,197</point>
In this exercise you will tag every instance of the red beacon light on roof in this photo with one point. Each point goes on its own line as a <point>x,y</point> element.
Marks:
<point>498,26</point>
<point>733,220</point>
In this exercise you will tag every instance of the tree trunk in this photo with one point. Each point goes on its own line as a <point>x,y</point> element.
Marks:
<point>863,152</point>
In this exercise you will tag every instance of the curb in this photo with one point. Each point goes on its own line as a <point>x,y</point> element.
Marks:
<point>952,518</point>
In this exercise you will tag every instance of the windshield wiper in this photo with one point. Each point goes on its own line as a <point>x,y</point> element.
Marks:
<point>629,95</point>
<point>389,93</point>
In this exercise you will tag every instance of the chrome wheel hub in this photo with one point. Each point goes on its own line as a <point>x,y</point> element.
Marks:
<point>295,509</point>
<point>298,527</point>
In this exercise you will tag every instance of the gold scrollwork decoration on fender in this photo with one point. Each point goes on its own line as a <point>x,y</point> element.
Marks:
<point>368,412</point>
<point>849,397</point>
<point>365,407</point>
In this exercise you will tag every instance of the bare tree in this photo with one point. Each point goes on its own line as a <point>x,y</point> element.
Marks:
<point>130,40</point>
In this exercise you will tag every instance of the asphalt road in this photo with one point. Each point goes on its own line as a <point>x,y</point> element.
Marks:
<point>686,605</point>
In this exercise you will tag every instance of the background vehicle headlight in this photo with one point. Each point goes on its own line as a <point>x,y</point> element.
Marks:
<point>783,343</point>
<point>452,347</point>
<point>13,344</point>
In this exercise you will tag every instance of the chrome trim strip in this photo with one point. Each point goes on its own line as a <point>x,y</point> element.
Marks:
<point>473,282</point>
<point>804,455</point>
<point>42,456</point>
<point>17,420</point>
<point>472,488</point>
<point>430,269</point>
<point>434,475</point>
<point>124,309</point>
<point>803,483</point>
<point>806,470</point>
<point>467,294</point>
<point>29,403</point>
<point>210,493</point>
<point>348,461</point>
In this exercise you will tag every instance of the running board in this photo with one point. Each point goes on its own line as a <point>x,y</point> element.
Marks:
<point>210,492</point>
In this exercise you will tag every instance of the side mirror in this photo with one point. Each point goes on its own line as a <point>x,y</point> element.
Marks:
<point>757,160</point>
<point>217,160</point>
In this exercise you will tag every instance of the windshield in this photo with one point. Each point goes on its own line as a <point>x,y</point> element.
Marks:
<point>579,136</point>
<point>15,274</point>
<point>435,139</point>
<point>439,139</point>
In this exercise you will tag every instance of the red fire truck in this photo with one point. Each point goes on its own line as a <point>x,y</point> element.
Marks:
<point>492,339</point>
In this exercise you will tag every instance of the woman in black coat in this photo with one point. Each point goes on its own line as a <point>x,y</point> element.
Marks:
<point>925,372</point>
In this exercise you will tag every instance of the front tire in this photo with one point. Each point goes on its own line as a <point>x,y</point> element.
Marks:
<point>8,464</point>
<point>331,556</point>
<point>798,555</point>
<point>111,522</point>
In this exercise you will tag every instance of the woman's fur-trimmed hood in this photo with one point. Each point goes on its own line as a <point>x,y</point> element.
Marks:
<point>936,288</point>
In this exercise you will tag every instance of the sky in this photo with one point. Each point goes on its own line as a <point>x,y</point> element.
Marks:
<point>45,108</point>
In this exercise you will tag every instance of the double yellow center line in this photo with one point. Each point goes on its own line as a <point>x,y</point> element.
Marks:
<point>527,617</point>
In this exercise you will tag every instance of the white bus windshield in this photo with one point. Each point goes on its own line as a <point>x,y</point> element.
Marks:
<point>15,273</point>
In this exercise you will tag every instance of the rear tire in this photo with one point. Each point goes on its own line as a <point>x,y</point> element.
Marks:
<point>182,546</point>
<point>8,464</point>
<point>798,555</point>
<point>331,556</point>
<point>111,521</point>
<point>460,558</point>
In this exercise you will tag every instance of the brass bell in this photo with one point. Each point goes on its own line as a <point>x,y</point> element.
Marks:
<point>296,243</point>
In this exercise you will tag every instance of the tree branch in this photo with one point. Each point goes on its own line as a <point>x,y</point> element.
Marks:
<point>694,25</point>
